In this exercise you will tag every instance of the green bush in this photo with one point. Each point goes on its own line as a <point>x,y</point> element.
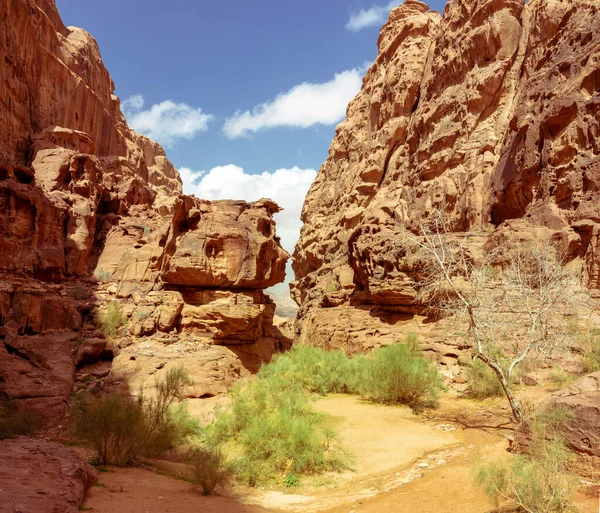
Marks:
<point>482,381</point>
<point>559,377</point>
<point>393,374</point>
<point>536,485</point>
<point>538,482</point>
<point>120,429</point>
<point>315,370</point>
<point>399,374</point>
<point>274,430</point>
<point>209,468</point>
<point>111,318</point>
<point>14,422</point>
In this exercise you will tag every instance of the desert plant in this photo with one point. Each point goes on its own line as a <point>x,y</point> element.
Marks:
<point>111,318</point>
<point>399,374</point>
<point>394,374</point>
<point>552,421</point>
<point>482,381</point>
<point>518,302</point>
<point>209,468</point>
<point>102,275</point>
<point>79,292</point>
<point>120,429</point>
<point>314,369</point>
<point>15,422</point>
<point>275,430</point>
<point>535,483</point>
<point>559,377</point>
<point>592,356</point>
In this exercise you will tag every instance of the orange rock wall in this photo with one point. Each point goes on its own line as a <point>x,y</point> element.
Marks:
<point>491,113</point>
<point>92,212</point>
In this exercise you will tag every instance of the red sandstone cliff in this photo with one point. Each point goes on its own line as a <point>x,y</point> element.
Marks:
<point>490,112</point>
<point>92,212</point>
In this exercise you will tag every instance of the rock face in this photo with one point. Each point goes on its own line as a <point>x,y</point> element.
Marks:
<point>582,432</point>
<point>42,477</point>
<point>92,212</point>
<point>491,114</point>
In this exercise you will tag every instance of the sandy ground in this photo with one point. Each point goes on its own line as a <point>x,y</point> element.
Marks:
<point>403,463</point>
<point>134,490</point>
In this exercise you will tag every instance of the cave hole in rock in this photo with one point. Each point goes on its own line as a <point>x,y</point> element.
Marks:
<point>264,227</point>
<point>24,175</point>
<point>213,248</point>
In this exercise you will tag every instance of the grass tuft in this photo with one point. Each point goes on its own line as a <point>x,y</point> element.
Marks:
<point>209,469</point>
<point>111,318</point>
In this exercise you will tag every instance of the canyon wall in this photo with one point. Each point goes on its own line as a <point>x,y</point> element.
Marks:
<point>93,219</point>
<point>489,113</point>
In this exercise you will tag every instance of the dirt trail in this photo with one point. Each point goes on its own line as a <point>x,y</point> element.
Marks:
<point>392,448</point>
<point>403,463</point>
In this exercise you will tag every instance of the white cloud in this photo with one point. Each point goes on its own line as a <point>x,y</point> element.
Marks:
<point>304,105</point>
<point>375,16</point>
<point>287,187</point>
<point>165,122</point>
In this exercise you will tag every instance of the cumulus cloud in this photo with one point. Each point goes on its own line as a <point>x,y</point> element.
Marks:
<point>287,187</point>
<point>304,105</point>
<point>165,122</point>
<point>375,16</point>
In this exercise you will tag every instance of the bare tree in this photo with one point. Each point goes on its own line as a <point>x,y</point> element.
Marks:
<point>515,309</point>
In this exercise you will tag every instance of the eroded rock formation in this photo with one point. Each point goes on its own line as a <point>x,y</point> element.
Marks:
<point>92,212</point>
<point>490,113</point>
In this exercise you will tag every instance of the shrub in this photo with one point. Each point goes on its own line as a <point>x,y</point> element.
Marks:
<point>555,419</point>
<point>209,469</point>
<point>592,358</point>
<point>275,431</point>
<point>120,429</point>
<point>399,374</point>
<point>102,275</point>
<point>111,319</point>
<point>538,482</point>
<point>483,382</point>
<point>79,292</point>
<point>394,374</point>
<point>559,377</point>
<point>14,422</point>
<point>314,369</point>
<point>110,425</point>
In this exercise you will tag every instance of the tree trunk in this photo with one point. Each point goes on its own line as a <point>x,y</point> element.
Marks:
<point>512,400</point>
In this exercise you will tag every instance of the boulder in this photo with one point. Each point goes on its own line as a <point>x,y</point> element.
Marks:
<point>582,430</point>
<point>42,476</point>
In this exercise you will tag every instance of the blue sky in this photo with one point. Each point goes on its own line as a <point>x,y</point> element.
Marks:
<point>244,95</point>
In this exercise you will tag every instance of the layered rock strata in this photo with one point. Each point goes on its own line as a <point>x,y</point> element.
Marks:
<point>92,213</point>
<point>490,114</point>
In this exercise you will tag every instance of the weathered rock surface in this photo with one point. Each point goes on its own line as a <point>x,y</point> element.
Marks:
<point>582,431</point>
<point>92,212</point>
<point>491,114</point>
<point>42,477</point>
